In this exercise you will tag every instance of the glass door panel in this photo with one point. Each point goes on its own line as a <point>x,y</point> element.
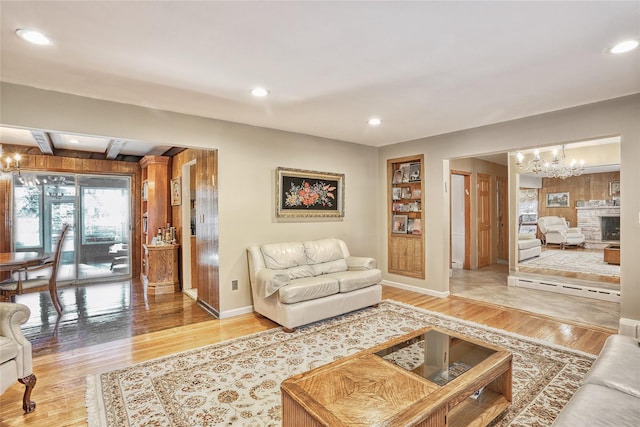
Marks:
<point>104,226</point>
<point>97,244</point>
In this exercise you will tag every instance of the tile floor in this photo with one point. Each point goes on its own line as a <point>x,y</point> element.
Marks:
<point>489,284</point>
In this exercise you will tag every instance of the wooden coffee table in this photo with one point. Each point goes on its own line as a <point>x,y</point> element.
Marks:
<point>429,377</point>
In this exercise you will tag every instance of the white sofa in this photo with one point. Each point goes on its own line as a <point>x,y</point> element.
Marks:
<point>610,394</point>
<point>556,230</point>
<point>296,283</point>
<point>528,246</point>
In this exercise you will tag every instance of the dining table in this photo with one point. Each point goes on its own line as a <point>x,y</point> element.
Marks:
<point>12,261</point>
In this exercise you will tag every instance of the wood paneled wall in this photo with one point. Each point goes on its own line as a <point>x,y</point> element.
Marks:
<point>206,222</point>
<point>38,162</point>
<point>584,187</point>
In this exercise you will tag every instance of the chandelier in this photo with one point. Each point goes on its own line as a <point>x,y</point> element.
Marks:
<point>55,191</point>
<point>10,164</point>
<point>556,168</point>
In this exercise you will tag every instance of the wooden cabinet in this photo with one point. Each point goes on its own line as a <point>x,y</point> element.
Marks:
<point>406,221</point>
<point>160,271</point>
<point>154,204</point>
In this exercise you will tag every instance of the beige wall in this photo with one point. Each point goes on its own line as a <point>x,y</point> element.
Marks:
<point>248,157</point>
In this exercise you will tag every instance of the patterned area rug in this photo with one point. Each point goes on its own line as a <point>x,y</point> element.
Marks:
<point>568,260</point>
<point>237,382</point>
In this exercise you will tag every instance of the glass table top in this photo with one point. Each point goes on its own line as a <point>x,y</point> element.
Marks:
<point>436,355</point>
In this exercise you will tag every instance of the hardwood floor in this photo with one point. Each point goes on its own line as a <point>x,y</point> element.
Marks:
<point>143,330</point>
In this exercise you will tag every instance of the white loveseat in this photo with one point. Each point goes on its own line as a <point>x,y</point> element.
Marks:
<point>296,283</point>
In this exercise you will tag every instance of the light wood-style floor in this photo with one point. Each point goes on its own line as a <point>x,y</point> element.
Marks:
<point>62,369</point>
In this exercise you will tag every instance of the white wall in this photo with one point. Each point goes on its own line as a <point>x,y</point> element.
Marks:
<point>247,160</point>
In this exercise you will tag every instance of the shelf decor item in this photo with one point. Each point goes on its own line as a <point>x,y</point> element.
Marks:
<point>400,224</point>
<point>305,193</point>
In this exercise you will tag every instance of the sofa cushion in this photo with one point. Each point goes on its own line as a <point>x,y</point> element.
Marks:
<point>618,366</point>
<point>9,349</point>
<point>329,267</point>
<point>324,250</point>
<point>528,243</point>
<point>352,280</point>
<point>280,256</point>
<point>594,405</point>
<point>308,288</point>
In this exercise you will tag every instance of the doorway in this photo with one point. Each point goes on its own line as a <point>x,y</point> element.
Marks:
<point>99,210</point>
<point>188,215</point>
<point>460,220</point>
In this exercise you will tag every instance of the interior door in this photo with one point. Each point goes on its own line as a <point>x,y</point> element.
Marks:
<point>484,220</point>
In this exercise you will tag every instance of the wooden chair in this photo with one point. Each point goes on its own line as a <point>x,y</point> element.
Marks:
<point>10,288</point>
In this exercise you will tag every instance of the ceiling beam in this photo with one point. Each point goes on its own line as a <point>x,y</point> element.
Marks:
<point>43,141</point>
<point>115,145</point>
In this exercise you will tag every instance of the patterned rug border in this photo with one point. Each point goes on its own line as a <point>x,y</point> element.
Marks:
<point>96,411</point>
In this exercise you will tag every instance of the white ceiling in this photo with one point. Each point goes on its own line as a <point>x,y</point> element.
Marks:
<point>424,67</point>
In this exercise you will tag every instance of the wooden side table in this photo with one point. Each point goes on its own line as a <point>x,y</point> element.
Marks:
<point>161,269</point>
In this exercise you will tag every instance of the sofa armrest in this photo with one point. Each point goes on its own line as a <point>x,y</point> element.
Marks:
<point>268,281</point>
<point>574,230</point>
<point>360,263</point>
<point>13,315</point>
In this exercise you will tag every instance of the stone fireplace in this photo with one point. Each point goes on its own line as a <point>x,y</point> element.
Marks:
<point>599,223</point>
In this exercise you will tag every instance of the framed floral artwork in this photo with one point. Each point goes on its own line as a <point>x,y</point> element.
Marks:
<point>305,193</point>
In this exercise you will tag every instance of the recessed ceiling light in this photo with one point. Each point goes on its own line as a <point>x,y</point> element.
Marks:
<point>74,141</point>
<point>34,37</point>
<point>374,121</point>
<point>259,92</point>
<point>624,46</point>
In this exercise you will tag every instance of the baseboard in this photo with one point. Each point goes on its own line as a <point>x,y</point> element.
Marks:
<point>236,312</point>
<point>559,287</point>
<point>416,289</point>
<point>630,327</point>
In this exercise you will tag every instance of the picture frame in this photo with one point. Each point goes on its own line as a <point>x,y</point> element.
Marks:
<point>558,200</point>
<point>307,193</point>
<point>399,224</point>
<point>397,176</point>
<point>176,193</point>
<point>396,193</point>
<point>406,171</point>
<point>406,193</point>
<point>614,188</point>
<point>414,172</point>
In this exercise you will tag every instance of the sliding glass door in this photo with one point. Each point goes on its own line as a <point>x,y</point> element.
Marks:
<point>98,207</point>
